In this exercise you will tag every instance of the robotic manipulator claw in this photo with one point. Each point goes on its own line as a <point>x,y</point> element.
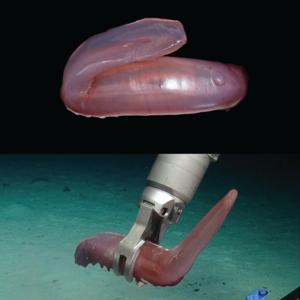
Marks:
<point>171,184</point>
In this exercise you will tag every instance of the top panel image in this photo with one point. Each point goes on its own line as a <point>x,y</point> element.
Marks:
<point>145,78</point>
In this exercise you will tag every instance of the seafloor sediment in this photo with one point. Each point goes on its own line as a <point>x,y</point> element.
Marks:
<point>48,203</point>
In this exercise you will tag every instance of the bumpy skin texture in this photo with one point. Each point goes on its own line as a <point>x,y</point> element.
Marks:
<point>123,71</point>
<point>155,264</point>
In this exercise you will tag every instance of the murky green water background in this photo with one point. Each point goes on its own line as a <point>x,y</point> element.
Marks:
<point>48,203</point>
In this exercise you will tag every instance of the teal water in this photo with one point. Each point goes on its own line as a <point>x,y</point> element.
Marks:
<point>48,203</point>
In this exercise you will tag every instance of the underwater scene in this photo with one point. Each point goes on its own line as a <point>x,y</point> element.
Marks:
<point>50,203</point>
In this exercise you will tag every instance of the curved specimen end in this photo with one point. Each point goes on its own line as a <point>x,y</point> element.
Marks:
<point>155,264</point>
<point>103,53</point>
<point>98,249</point>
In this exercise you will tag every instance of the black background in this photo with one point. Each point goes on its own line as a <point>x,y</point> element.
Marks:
<point>40,38</point>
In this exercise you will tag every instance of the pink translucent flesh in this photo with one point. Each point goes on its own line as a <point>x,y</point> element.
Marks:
<point>155,264</point>
<point>123,72</point>
<point>98,249</point>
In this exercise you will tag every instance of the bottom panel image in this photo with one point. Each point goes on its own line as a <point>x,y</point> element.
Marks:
<point>150,226</point>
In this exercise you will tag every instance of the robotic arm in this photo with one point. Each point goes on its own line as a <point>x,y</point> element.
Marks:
<point>171,184</point>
